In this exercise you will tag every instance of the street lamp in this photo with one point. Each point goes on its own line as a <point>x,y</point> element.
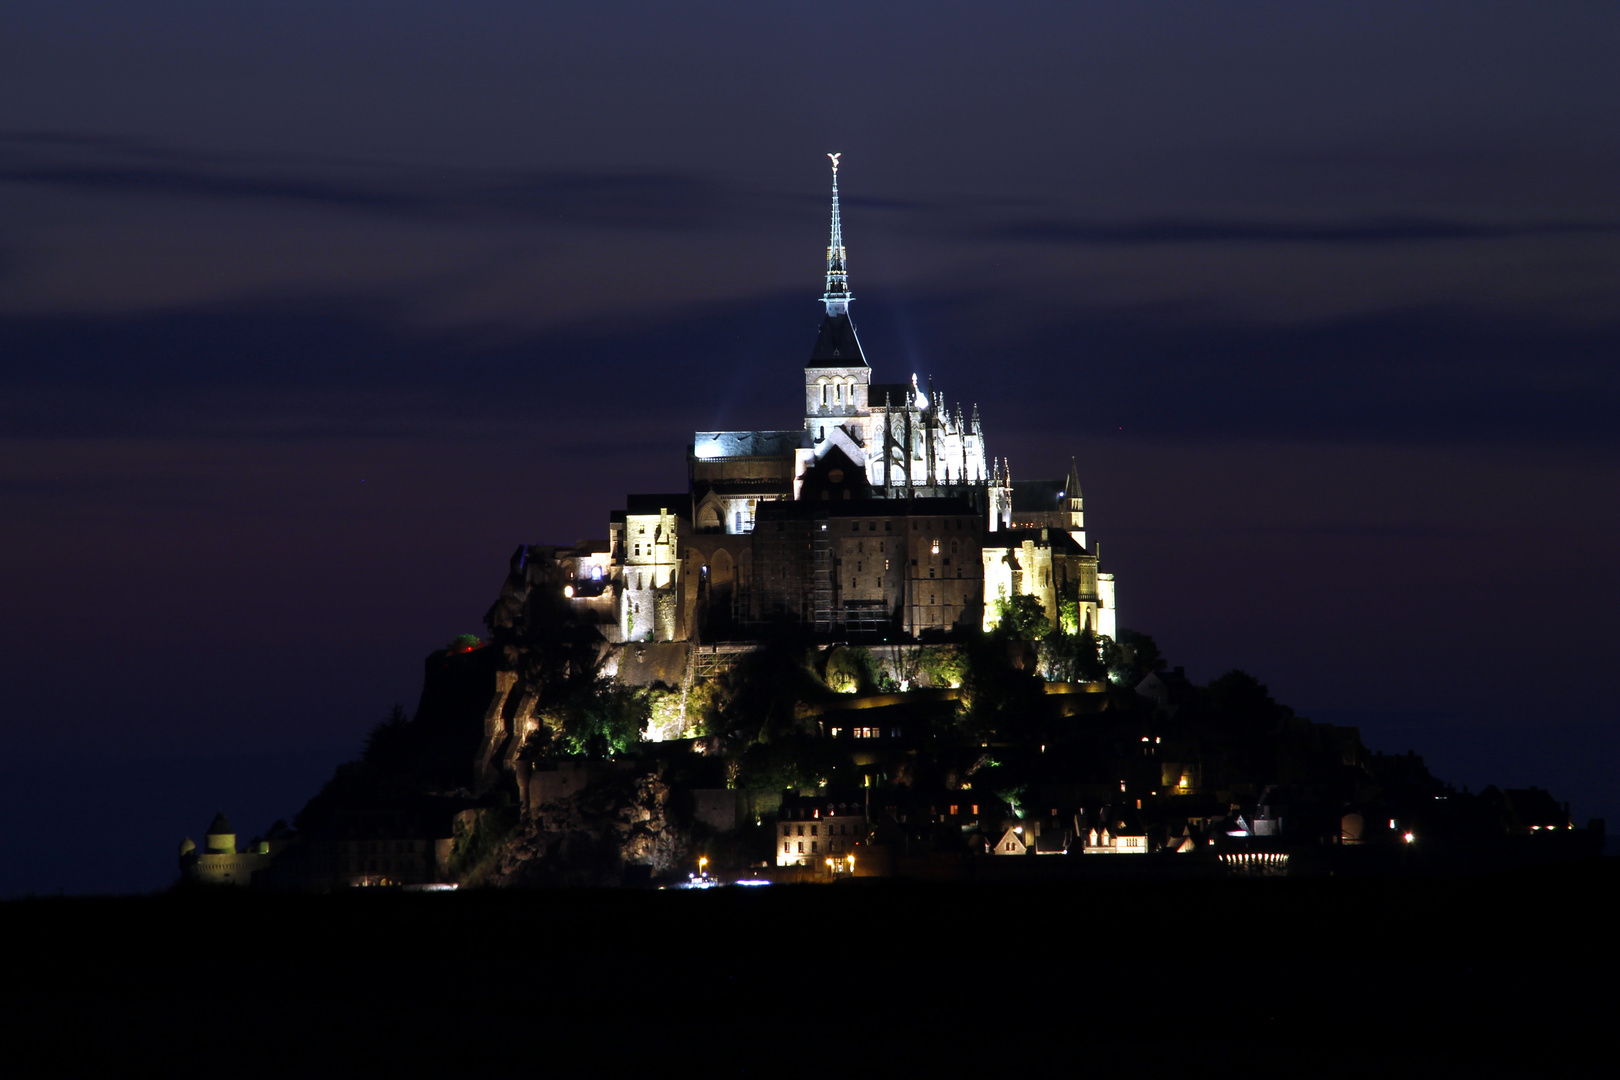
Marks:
<point>703,864</point>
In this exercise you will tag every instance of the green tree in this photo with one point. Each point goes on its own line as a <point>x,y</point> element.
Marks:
<point>999,696</point>
<point>1132,658</point>
<point>603,718</point>
<point>1022,617</point>
<point>765,688</point>
<point>1074,657</point>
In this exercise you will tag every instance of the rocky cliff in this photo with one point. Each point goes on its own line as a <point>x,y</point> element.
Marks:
<point>593,836</point>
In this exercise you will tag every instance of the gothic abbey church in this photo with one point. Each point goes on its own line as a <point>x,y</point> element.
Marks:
<point>880,519</point>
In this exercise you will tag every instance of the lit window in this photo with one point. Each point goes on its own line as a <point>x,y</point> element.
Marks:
<point>801,847</point>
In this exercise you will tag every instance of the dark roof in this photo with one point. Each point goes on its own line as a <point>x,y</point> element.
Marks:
<point>1053,537</point>
<point>679,504</point>
<point>842,508</point>
<point>221,825</point>
<point>742,485</point>
<point>708,445</point>
<point>836,344</point>
<point>1051,840</point>
<point>1038,495</point>
<point>1533,806</point>
<point>825,798</point>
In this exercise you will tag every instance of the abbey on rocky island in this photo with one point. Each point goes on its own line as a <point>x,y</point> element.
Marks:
<point>882,518</point>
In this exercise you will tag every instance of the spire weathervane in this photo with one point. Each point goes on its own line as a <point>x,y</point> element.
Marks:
<point>837,296</point>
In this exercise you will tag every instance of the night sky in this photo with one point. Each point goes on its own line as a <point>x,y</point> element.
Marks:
<point>308,317</point>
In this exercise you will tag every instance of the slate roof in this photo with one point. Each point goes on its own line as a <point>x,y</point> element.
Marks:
<point>873,507</point>
<point>836,344</point>
<point>678,504</point>
<point>221,825</point>
<point>731,444</point>
<point>1034,496</point>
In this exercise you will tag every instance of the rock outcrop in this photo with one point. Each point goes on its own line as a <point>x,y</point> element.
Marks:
<point>616,830</point>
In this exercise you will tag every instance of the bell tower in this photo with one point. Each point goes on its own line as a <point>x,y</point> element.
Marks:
<point>837,377</point>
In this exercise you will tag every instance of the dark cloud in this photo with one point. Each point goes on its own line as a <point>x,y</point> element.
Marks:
<point>1385,231</point>
<point>196,184</point>
<point>88,163</point>
<point>1428,375</point>
<point>109,145</point>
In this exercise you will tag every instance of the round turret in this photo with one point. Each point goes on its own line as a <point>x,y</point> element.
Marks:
<point>187,847</point>
<point>221,838</point>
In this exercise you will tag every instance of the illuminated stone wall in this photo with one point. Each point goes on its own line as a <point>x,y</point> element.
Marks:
<point>809,833</point>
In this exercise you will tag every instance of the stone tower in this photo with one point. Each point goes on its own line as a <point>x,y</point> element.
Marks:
<point>836,377</point>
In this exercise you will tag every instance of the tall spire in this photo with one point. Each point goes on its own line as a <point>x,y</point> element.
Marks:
<point>836,343</point>
<point>837,297</point>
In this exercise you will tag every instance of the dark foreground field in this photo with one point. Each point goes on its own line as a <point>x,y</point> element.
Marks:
<point>1492,974</point>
